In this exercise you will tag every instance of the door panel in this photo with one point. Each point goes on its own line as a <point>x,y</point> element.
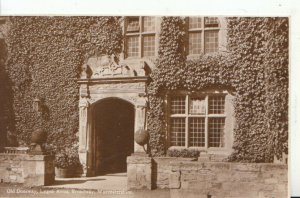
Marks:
<point>114,125</point>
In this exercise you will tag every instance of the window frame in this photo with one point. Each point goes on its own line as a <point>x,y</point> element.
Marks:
<point>202,31</point>
<point>187,117</point>
<point>140,34</point>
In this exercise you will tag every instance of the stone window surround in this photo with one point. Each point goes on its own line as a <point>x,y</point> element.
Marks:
<point>228,129</point>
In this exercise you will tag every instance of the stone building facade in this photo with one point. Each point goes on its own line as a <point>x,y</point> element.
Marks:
<point>108,100</point>
<point>112,95</point>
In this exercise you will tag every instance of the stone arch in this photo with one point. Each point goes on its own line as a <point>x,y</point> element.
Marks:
<point>137,101</point>
<point>118,97</point>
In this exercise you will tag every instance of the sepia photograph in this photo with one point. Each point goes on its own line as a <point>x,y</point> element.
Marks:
<point>144,106</point>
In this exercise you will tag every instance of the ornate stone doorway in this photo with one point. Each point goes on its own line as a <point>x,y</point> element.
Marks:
<point>108,90</point>
<point>114,133</point>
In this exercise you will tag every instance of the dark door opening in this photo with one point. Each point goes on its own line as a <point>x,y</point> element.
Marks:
<point>114,125</point>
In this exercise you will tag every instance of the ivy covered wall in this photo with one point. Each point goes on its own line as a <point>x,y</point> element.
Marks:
<point>259,49</point>
<point>42,57</point>
<point>255,68</point>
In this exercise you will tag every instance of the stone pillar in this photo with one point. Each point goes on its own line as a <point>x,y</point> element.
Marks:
<point>38,170</point>
<point>83,126</point>
<point>139,172</point>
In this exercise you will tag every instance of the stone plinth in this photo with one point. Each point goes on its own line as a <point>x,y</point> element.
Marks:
<point>139,172</point>
<point>31,170</point>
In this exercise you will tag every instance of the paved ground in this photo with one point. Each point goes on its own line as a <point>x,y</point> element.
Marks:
<point>111,185</point>
<point>117,181</point>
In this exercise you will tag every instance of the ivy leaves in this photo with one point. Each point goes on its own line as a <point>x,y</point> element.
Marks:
<point>256,67</point>
<point>260,47</point>
<point>45,54</point>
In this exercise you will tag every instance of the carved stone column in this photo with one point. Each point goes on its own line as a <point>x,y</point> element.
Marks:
<point>83,124</point>
<point>140,119</point>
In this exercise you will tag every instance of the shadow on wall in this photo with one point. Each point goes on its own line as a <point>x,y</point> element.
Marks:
<point>6,102</point>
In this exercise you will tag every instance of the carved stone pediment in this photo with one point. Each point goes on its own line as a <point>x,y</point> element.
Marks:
<point>105,66</point>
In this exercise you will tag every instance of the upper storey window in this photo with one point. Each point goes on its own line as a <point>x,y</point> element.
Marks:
<point>203,35</point>
<point>140,37</point>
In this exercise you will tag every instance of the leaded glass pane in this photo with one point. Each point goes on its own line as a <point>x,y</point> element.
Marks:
<point>195,22</point>
<point>132,46</point>
<point>195,43</point>
<point>133,24</point>
<point>178,131</point>
<point>197,132</point>
<point>148,24</point>
<point>211,41</point>
<point>216,104</point>
<point>216,132</point>
<point>178,105</point>
<point>211,22</point>
<point>149,45</point>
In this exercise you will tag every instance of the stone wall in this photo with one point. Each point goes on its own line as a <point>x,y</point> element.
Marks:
<point>162,168</point>
<point>30,170</point>
<point>187,176</point>
<point>221,179</point>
